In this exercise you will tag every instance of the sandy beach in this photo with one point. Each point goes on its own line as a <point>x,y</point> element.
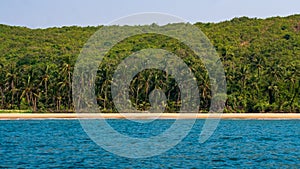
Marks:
<point>13,116</point>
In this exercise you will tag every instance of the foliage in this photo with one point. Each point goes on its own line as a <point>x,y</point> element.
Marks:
<point>260,57</point>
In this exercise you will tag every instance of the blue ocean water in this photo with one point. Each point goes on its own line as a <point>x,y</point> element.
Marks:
<point>235,144</point>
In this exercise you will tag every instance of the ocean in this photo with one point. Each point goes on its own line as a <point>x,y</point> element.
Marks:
<point>234,144</point>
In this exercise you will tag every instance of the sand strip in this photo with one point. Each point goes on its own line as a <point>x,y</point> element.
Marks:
<point>12,116</point>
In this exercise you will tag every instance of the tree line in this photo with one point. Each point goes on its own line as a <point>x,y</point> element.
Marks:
<point>261,58</point>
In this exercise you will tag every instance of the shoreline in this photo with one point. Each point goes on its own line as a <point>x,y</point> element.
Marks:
<point>20,116</point>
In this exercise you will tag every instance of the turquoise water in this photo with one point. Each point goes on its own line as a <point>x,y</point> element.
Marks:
<point>235,143</point>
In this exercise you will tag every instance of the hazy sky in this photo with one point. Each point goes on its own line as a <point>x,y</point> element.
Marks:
<point>49,13</point>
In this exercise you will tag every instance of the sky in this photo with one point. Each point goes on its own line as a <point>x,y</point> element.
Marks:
<point>57,13</point>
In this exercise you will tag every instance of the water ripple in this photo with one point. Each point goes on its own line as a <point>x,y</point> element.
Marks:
<point>236,143</point>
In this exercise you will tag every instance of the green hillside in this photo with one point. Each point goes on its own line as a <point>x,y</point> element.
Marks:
<point>261,58</point>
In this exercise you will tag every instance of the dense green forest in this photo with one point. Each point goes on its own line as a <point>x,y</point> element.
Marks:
<point>261,58</point>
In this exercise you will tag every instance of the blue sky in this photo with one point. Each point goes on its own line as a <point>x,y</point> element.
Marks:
<point>49,13</point>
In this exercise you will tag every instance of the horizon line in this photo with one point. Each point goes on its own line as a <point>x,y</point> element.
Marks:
<point>193,23</point>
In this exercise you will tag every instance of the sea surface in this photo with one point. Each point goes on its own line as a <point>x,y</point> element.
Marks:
<point>234,144</point>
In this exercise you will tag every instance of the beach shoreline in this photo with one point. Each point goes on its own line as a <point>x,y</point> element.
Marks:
<point>16,116</point>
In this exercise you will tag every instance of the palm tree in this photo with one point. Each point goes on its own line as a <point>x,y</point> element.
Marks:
<point>66,84</point>
<point>11,78</point>
<point>45,73</point>
<point>2,86</point>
